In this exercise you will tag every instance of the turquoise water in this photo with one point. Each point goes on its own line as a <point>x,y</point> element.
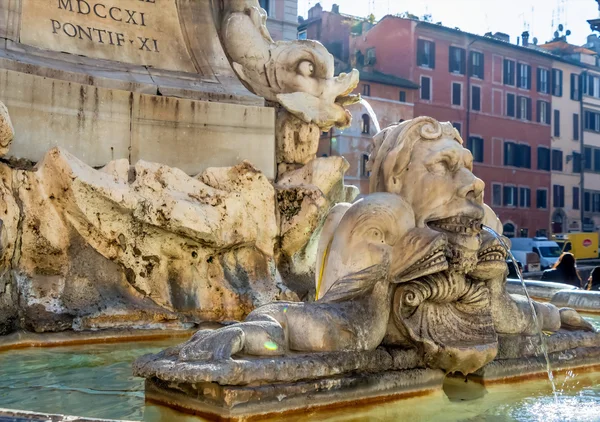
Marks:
<point>95,381</point>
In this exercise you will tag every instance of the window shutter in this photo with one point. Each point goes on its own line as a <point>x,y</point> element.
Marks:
<point>539,79</point>
<point>560,83</point>
<point>463,61</point>
<point>528,77</point>
<point>573,86</point>
<point>505,79</point>
<point>590,85</point>
<point>538,111</point>
<point>582,84</point>
<point>506,193</point>
<point>433,55</point>
<point>556,115</point>
<point>506,151</point>
<point>529,109</point>
<point>470,67</point>
<point>450,57</point>
<point>482,66</point>
<point>420,51</point>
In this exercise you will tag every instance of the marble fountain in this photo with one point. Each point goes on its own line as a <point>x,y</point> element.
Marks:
<point>267,290</point>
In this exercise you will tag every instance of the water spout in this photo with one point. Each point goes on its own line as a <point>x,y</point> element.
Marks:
<point>543,345</point>
<point>371,114</point>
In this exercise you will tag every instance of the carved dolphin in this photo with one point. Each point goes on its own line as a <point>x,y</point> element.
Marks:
<point>379,245</point>
<point>298,74</point>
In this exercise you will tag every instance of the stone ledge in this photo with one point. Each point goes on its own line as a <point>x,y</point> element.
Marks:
<point>259,401</point>
<point>517,346</point>
<point>511,370</point>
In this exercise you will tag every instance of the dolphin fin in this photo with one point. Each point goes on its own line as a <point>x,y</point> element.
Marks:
<point>356,284</point>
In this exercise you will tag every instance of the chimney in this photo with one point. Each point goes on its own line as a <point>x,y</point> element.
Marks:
<point>525,37</point>
<point>335,9</point>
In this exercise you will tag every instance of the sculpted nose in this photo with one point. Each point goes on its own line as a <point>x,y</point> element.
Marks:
<point>472,187</point>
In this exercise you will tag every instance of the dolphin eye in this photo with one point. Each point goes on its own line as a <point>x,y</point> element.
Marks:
<point>375,235</point>
<point>306,68</point>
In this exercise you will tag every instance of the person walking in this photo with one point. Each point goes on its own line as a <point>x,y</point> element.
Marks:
<point>564,271</point>
<point>594,279</point>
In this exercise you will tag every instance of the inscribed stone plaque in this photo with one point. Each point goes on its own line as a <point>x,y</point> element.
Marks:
<point>143,32</point>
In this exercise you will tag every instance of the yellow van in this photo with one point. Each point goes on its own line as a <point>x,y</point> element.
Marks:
<point>582,245</point>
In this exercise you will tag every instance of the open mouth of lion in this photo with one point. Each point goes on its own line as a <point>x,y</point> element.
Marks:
<point>432,263</point>
<point>461,225</point>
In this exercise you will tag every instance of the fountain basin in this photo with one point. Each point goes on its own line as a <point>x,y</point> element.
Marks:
<point>539,290</point>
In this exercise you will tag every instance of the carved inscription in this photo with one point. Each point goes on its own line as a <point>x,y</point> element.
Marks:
<point>145,32</point>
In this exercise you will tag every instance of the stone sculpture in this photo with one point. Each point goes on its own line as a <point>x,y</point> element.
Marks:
<point>296,74</point>
<point>374,246</point>
<point>512,314</point>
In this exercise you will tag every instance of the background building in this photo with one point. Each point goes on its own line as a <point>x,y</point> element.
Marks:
<point>283,18</point>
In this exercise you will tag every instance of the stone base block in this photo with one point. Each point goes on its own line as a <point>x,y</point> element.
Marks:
<point>257,401</point>
<point>248,387</point>
<point>521,356</point>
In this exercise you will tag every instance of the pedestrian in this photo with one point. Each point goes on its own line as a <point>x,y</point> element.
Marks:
<point>564,271</point>
<point>594,279</point>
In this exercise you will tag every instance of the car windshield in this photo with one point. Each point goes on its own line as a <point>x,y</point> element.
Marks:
<point>550,251</point>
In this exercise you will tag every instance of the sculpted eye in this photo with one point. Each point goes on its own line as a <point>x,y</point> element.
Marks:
<point>306,68</point>
<point>375,235</point>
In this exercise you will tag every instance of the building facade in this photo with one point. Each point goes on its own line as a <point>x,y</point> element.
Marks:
<point>282,21</point>
<point>566,143</point>
<point>498,95</point>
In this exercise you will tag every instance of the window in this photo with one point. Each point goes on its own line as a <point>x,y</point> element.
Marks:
<point>475,145</point>
<point>575,127</point>
<point>587,158</point>
<point>524,197</point>
<point>425,88</point>
<point>496,195</point>
<point>524,76</point>
<point>370,56</point>
<point>523,232</point>
<point>475,98</point>
<point>595,202</point>
<point>510,105</point>
<point>365,124</point>
<point>517,155</point>
<point>587,206</point>
<point>402,96</point>
<point>597,160</point>
<point>543,158</point>
<point>541,198</point>
<point>456,62</point>
<point>511,157</point>
<point>510,194</point>
<point>364,172</point>
<point>458,127</point>
<point>576,162</point>
<point>591,121</point>
<point>575,198</point>
<point>426,54</point>
<point>557,123</point>
<point>456,93</point>
<point>302,35</point>
<point>557,160</point>
<point>524,108</point>
<point>265,4</point>
<point>591,86</point>
<point>575,81</point>
<point>509,72</point>
<point>476,64</point>
<point>558,193</point>
<point>557,82</point>
<point>366,90</point>
<point>508,230</point>
<point>542,80</point>
<point>543,112</point>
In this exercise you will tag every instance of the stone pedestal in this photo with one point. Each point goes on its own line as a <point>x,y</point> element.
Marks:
<point>151,82</point>
<point>251,387</point>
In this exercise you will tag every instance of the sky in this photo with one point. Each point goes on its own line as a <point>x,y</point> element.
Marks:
<point>540,17</point>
